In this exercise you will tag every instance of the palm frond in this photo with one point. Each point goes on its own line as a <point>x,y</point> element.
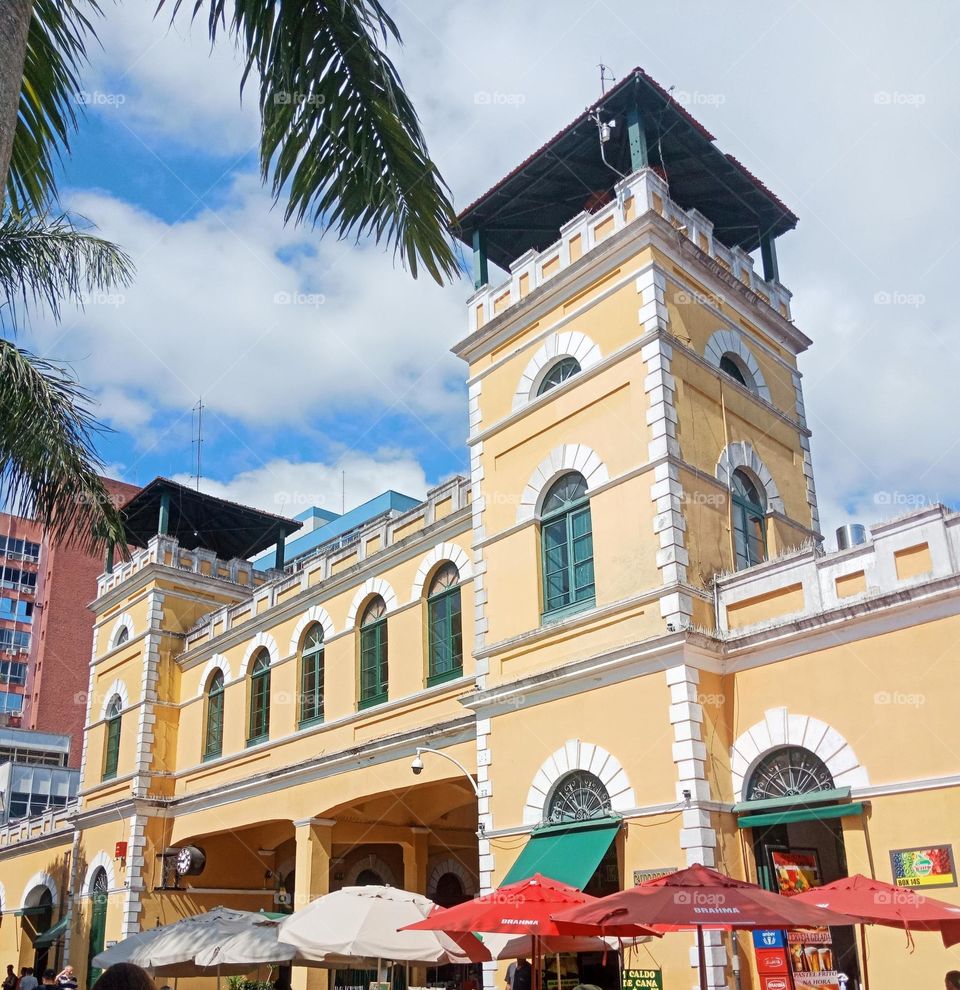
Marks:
<point>48,463</point>
<point>47,260</point>
<point>339,132</point>
<point>56,51</point>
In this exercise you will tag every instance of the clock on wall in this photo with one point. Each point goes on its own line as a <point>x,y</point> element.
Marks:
<point>190,861</point>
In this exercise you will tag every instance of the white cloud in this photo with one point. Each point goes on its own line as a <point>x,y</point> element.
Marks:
<point>273,326</point>
<point>288,487</point>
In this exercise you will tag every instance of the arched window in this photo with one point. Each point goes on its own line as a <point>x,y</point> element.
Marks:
<point>445,627</point>
<point>111,749</point>
<point>749,520</point>
<point>122,636</point>
<point>373,654</point>
<point>449,891</point>
<point>213,730</point>
<point>788,772</point>
<point>566,546</point>
<point>734,368</point>
<point>368,878</point>
<point>564,368</point>
<point>577,797</point>
<point>311,676</point>
<point>259,728</point>
<point>99,890</point>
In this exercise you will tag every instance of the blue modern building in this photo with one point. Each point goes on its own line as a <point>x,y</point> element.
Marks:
<point>324,528</point>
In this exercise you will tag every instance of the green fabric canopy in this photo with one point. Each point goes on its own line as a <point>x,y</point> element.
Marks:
<point>45,939</point>
<point>569,853</point>
<point>815,814</point>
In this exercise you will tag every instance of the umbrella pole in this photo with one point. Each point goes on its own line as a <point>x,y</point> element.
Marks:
<point>863,954</point>
<point>701,958</point>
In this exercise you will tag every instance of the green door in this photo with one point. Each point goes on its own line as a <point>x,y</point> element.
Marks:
<point>98,922</point>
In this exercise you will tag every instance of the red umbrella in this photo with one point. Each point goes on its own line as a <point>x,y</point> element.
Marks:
<point>693,899</point>
<point>879,903</point>
<point>523,908</point>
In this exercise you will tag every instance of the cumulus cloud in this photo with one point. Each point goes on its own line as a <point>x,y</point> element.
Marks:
<point>288,487</point>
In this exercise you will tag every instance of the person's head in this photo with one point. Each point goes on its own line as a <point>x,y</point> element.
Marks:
<point>124,976</point>
<point>68,971</point>
<point>10,968</point>
<point>952,980</point>
<point>49,976</point>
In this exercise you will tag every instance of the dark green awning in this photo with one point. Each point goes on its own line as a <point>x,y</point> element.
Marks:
<point>831,796</point>
<point>36,909</point>
<point>814,814</point>
<point>569,853</point>
<point>46,939</point>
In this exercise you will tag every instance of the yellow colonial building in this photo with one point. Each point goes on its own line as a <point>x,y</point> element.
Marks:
<point>616,649</point>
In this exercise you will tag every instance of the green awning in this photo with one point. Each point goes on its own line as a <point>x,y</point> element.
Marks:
<point>46,939</point>
<point>831,796</point>
<point>569,853</point>
<point>815,814</point>
<point>37,909</point>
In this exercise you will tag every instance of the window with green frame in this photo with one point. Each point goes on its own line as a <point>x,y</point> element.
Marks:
<point>566,547</point>
<point>258,729</point>
<point>444,626</point>
<point>373,654</point>
<point>748,508</point>
<point>311,676</point>
<point>213,729</point>
<point>111,751</point>
<point>564,368</point>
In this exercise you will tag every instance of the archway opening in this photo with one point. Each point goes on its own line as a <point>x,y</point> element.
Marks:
<point>797,840</point>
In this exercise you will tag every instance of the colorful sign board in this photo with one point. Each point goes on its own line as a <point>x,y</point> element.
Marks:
<point>642,979</point>
<point>642,876</point>
<point>924,866</point>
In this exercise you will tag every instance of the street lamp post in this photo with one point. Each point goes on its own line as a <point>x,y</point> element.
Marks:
<point>417,765</point>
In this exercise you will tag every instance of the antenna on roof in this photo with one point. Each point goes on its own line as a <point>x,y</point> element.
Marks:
<point>198,410</point>
<point>605,76</point>
<point>343,492</point>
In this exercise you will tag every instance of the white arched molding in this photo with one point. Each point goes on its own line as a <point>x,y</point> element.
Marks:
<point>101,859</point>
<point>262,639</point>
<point>577,755</point>
<point>3,898</point>
<point>315,613</point>
<point>778,729</point>
<point>436,869</point>
<point>217,662</point>
<point>372,586</point>
<point>731,342</point>
<point>371,862</point>
<point>742,455</point>
<point>554,348</point>
<point>124,621</point>
<point>116,688</point>
<point>441,552</point>
<point>40,879</point>
<point>569,457</point>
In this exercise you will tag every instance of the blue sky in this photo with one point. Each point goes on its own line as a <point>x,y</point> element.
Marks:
<point>847,111</point>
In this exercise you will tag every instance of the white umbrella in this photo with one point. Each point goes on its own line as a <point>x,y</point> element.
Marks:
<point>261,946</point>
<point>171,950</point>
<point>364,922</point>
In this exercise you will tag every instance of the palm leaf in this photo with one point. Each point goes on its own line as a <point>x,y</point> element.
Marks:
<point>339,132</point>
<point>48,462</point>
<point>47,112</point>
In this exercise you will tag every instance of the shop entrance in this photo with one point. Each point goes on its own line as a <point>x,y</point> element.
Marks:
<point>797,843</point>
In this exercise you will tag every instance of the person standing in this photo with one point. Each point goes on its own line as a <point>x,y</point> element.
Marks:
<point>10,981</point>
<point>66,978</point>
<point>27,980</point>
<point>523,975</point>
<point>49,978</point>
<point>511,970</point>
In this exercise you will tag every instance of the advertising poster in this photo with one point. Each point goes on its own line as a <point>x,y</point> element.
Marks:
<point>810,950</point>
<point>642,979</point>
<point>930,866</point>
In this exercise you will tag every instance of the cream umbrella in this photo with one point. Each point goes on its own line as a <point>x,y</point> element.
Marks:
<point>171,950</point>
<point>364,923</point>
<point>261,946</point>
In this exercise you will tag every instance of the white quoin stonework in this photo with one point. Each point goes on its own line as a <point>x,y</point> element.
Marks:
<point>698,838</point>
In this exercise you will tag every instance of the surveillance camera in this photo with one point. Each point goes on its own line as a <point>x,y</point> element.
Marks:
<point>417,765</point>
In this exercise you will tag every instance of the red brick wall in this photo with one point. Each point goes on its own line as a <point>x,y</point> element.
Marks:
<point>63,637</point>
